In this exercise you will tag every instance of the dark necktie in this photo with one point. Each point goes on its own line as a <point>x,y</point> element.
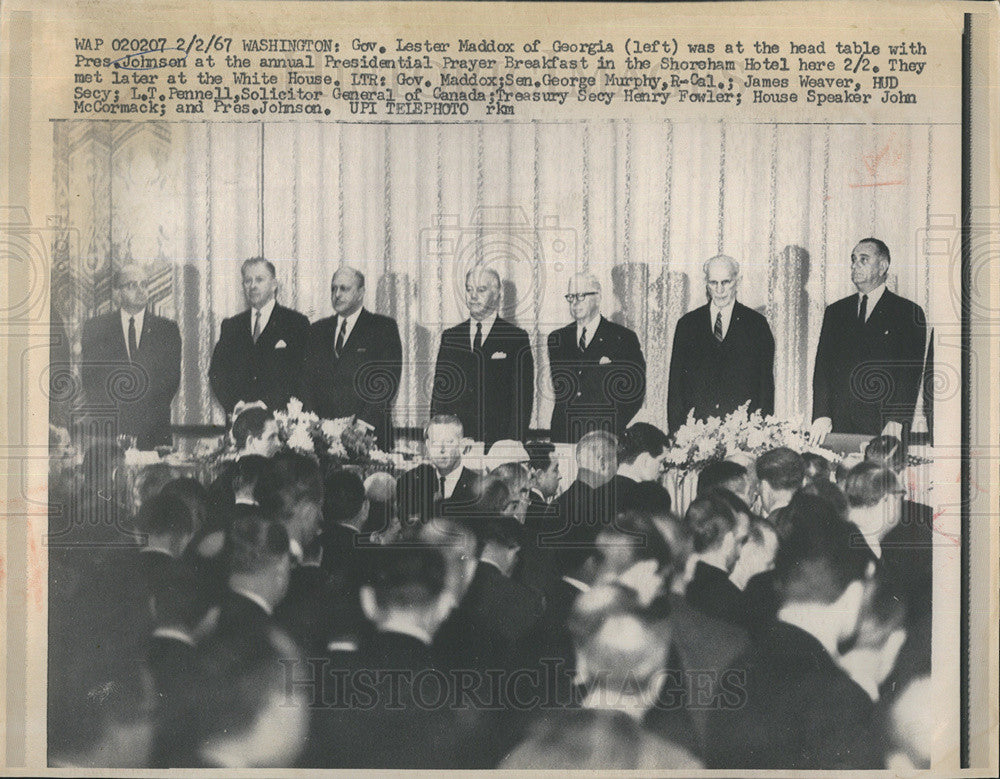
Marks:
<point>863,310</point>
<point>477,343</point>
<point>442,488</point>
<point>340,336</point>
<point>718,327</point>
<point>132,346</point>
<point>583,340</point>
<point>256,325</point>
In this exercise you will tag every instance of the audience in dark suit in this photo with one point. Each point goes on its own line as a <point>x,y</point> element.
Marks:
<point>589,503</point>
<point>259,353</point>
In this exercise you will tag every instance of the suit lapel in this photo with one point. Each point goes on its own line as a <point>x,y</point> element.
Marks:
<point>121,347</point>
<point>144,337</point>
<point>597,341</point>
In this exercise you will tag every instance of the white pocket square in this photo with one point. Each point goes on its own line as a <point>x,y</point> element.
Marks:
<point>604,361</point>
<point>499,356</point>
<point>280,345</point>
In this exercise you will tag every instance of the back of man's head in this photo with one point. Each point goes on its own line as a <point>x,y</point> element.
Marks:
<point>709,519</point>
<point>415,494</point>
<point>868,483</point>
<point>887,450</point>
<point>597,453</point>
<point>624,656</point>
<point>290,478</point>
<point>250,423</point>
<point>725,474</point>
<point>540,454</point>
<point>343,497</point>
<point>781,468</point>
<point>817,467</point>
<point>635,532</point>
<point>255,543</point>
<point>166,516</point>
<point>820,555</point>
<point>406,578</point>
<point>641,438</point>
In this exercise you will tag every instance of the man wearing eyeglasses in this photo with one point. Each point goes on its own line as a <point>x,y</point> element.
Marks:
<point>131,362</point>
<point>723,353</point>
<point>597,368</point>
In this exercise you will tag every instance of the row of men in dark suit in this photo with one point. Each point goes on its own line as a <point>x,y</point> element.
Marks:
<point>868,369</point>
<point>437,642</point>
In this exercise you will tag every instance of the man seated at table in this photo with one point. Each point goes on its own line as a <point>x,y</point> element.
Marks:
<point>640,458</point>
<point>779,473</point>
<point>589,502</point>
<point>727,475</point>
<point>443,441</point>
<point>719,534</point>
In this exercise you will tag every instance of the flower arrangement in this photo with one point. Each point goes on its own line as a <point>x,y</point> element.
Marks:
<point>700,442</point>
<point>346,439</point>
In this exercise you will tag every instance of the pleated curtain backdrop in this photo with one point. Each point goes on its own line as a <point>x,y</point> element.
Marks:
<point>414,206</point>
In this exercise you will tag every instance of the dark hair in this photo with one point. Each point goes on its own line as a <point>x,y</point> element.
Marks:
<point>250,422</point>
<point>343,496</point>
<point>829,492</point>
<point>153,478</point>
<point>254,542</point>
<point>247,471</point>
<point>165,515</point>
<point>869,482</point>
<point>736,504</point>
<point>887,450</point>
<point>289,479</point>
<point>720,474</point>
<point>540,454</point>
<point>636,530</point>
<point>819,555</point>
<point>194,495</point>
<point>880,248</point>
<point>501,529</point>
<point>708,519</point>
<point>182,601</point>
<point>817,467</point>
<point>415,492</point>
<point>641,437</point>
<point>406,576</point>
<point>259,261</point>
<point>782,468</point>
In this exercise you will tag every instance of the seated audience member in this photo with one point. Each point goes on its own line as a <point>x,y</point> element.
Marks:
<point>589,502</point>
<point>623,664</point>
<point>518,481</point>
<point>817,468</point>
<point>380,492</point>
<point>235,711</point>
<point>290,490</point>
<point>99,693</point>
<point>757,555</point>
<point>345,511</point>
<point>898,538</point>
<point>718,534</point>
<point>543,469</point>
<point>727,475</point>
<point>254,431</point>
<point>168,526</point>
<point>591,740</point>
<point>149,481</point>
<point>417,496</point>
<point>506,452</point>
<point>640,458</point>
<point>444,444</point>
<point>234,486</point>
<point>534,567</point>
<point>779,474</point>
<point>410,593</point>
<point>887,450</point>
<point>802,710</point>
<point>259,571</point>
<point>632,552</point>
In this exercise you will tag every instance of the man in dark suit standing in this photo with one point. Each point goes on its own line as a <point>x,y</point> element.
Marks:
<point>259,352</point>
<point>485,372</point>
<point>353,360</point>
<point>723,353</point>
<point>871,353</point>
<point>598,371</point>
<point>131,362</point>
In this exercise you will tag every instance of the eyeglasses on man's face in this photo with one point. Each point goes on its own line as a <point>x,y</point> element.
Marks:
<point>578,297</point>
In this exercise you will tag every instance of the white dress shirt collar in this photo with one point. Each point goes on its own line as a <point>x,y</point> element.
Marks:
<point>591,326</point>
<point>265,314</point>
<point>576,584</point>
<point>727,315</point>
<point>487,326</point>
<point>139,319</point>
<point>351,319</point>
<point>451,481</point>
<point>873,298</point>
<point>253,596</point>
